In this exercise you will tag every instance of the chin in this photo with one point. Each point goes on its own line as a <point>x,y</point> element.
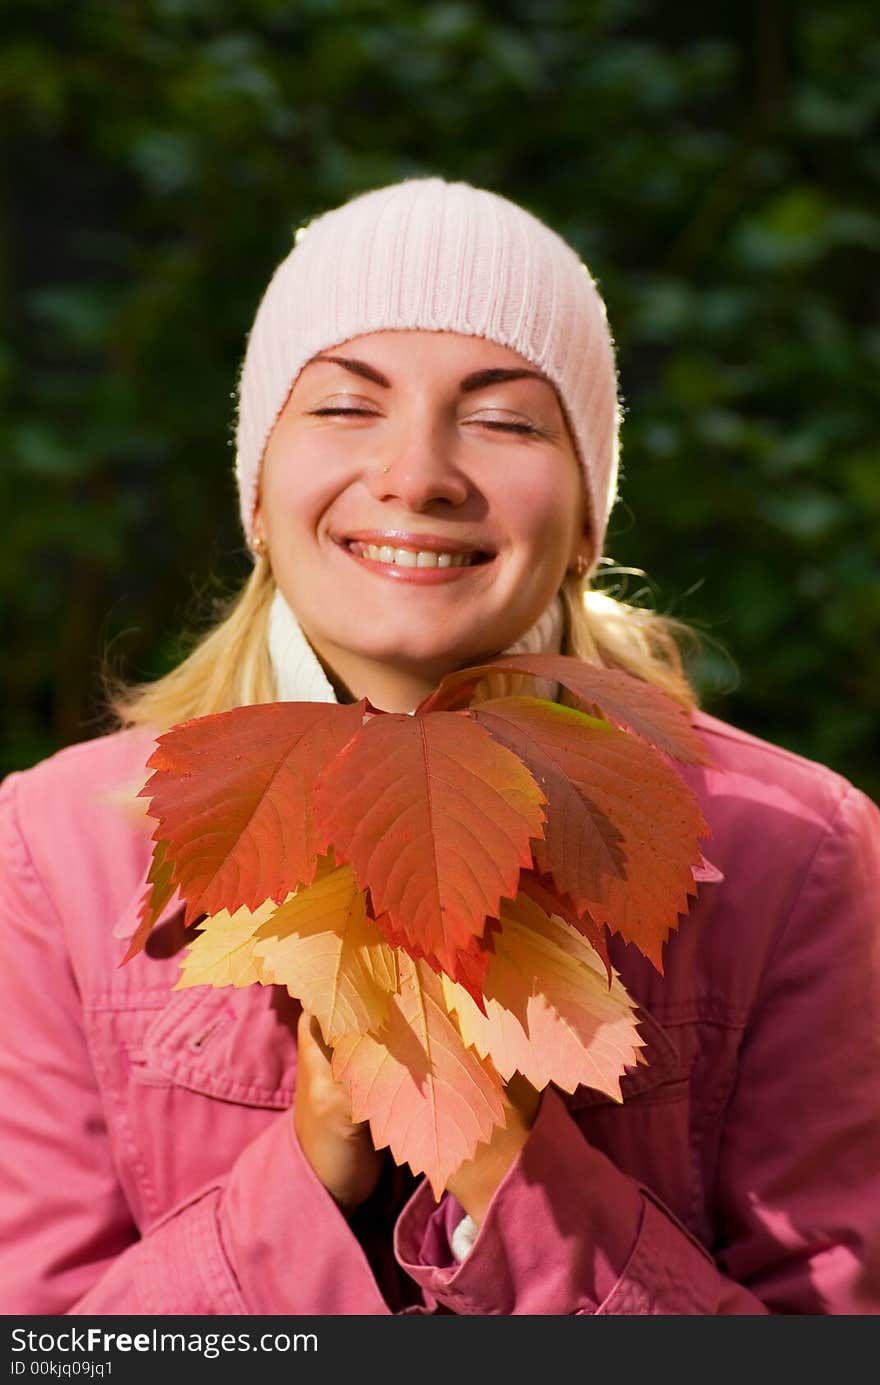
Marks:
<point>419,658</point>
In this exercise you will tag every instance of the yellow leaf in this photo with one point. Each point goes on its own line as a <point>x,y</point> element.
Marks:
<point>223,953</point>
<point>321,945</point>
<point>550,1013</point>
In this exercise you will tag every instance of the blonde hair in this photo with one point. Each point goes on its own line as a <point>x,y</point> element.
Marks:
<point>230,665</point>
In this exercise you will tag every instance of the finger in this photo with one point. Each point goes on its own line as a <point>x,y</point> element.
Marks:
<point>315,1031</point>
<point>523,1097</point>
<point>310,1039</point>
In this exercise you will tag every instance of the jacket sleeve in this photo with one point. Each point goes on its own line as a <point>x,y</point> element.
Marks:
<point>614,1248</point>
<point>799,1185</point>
<point>266,1239</point>
<point>798,1197</point>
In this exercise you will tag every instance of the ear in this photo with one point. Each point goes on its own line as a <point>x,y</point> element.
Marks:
<point>581,557</point>
<point>259,544</point>
<point>581,554</point>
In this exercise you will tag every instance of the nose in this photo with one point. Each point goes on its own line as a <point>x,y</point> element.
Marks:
<point>418,469</point>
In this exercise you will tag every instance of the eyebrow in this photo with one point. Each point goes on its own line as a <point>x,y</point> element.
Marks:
<point>480,379</point>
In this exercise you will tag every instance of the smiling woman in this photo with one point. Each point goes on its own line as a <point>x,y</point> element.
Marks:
<point>424,522</point>
<point>417,346</point>
<point>427,458</point>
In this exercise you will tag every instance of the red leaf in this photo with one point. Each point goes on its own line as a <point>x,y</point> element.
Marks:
<point>160,890</point>
<point>617,696</point>
<point>232,796</point>
<point>437,820</point>
<point>622,830</point>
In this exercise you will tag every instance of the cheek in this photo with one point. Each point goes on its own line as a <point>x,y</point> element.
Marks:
<point>544,509</point>
<point>296,490</point>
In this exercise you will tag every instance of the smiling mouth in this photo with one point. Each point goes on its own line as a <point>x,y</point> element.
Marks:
<point>404,556</point>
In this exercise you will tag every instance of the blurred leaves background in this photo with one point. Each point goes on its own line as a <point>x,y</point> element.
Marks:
<point>718,168</point>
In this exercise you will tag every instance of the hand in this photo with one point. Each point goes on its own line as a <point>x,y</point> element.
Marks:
<point>339,1150</point>
<point>475,1182</point>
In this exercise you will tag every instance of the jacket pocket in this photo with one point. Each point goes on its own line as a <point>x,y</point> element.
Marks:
<point>237,1045</point>
<point>648,1134</point>
<point>205,1076</point>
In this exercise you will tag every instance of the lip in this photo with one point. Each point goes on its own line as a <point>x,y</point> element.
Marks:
<point>412,576</point>
<point>403,538</point>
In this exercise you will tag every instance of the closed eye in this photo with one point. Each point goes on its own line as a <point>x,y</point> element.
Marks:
<point>496,425</point>
<point>359,413</point>
<point>508,427</point>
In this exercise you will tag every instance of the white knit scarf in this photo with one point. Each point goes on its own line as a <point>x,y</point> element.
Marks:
<point>299,676</point>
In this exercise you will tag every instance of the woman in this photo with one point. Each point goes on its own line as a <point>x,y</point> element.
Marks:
<point>427,457</point>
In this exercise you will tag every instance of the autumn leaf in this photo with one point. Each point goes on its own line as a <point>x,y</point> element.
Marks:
<point>232,796</point>
<point>321,945</point>
<point>470,962</point>
<point>437,889</point>
<point>622,831</point>
<point>223,952</point>
<point>550,1012</point>
<point>426,1095</point>
<point>437,820</point>
<point>160,889</point>
<point>542,890</point>
<point>612,694</point>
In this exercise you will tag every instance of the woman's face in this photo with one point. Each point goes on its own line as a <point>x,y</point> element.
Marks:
<point>421,499</point>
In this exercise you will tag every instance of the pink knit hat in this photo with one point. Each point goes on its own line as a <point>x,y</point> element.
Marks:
<point>438,256</point>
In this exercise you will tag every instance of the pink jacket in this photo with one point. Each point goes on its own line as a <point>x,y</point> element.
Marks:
<point>149,1159</point>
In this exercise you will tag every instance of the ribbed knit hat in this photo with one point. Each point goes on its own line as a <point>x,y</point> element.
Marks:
<point>427,254</point>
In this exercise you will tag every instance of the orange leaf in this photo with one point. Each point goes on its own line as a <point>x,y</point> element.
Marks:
<point>437,820</point>
<point>617,696</point>
<point>550,1013</point>
<point>426,1096</point>
<point>622,830</point>
<point>322,946</point>
<point>232,796</point>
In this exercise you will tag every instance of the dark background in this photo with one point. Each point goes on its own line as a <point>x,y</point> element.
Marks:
<point>716,165</point>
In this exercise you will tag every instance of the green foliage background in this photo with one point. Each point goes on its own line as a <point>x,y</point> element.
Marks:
<point>718,168</point>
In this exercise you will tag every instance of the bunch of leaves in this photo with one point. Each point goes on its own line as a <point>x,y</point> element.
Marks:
<point>437,889</point>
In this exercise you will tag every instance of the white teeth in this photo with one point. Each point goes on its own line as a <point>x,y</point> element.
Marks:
<point>408,557</point>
